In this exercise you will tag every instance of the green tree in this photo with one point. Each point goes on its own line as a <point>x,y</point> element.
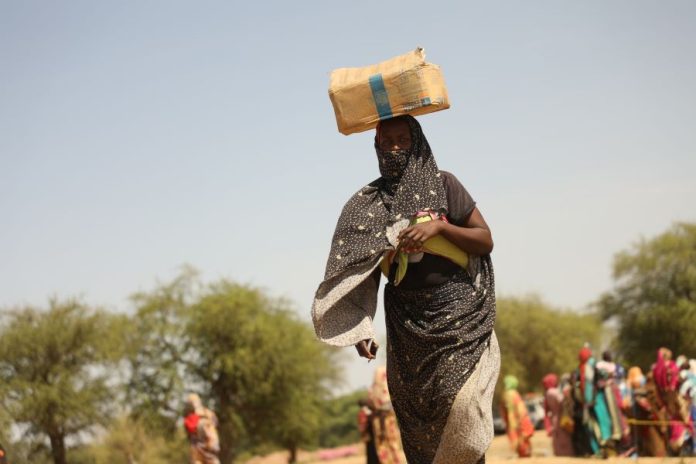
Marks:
<point>56,366</point>
<point>157,355</point>
<point>654,296</point>
<point>340,420</point>
<point>263,368</point>
<point>536,339</point>
<point>5,428</point>
<point>249,357</point>
<point>129,441</point>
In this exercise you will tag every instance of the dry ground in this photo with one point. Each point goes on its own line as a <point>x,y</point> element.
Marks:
<point>499,453</point>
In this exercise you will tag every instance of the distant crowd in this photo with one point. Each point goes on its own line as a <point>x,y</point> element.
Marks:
<point>602,410</point>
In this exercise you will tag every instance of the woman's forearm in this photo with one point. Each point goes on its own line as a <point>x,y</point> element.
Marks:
<point>473,240</point>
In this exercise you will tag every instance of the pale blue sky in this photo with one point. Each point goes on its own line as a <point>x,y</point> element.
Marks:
<point>138,136</point>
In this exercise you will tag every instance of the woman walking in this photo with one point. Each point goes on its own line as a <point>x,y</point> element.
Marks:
<point>649,433</point>
<point>553,411</point>
<point>421,228</point>
<point>201,424</point>
<point>666,375</point>
<point>378,426</point>
<point>519,426</point>
<point>607,391</point>
<point>596,418</point>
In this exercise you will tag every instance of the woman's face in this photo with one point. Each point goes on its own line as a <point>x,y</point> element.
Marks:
<point>394,134</point>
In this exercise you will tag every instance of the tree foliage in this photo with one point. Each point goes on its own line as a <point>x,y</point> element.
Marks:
<point>654,296</point>
<point>55,370</point>
<point>248,356</point>
<point>65,371</point>
<point>536,339</point>
<point>158,347</point>
<point>264,369</point>
<point>339,420</point>
<point>129,441</point>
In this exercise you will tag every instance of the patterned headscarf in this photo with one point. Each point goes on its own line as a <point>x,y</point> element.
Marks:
<point>401,192</point>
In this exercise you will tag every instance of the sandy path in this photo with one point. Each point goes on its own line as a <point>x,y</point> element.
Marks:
<point>498,453</point>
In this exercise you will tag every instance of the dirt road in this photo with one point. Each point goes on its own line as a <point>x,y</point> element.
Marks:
<point>499,453</point>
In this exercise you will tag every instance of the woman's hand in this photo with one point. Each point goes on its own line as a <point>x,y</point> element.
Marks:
<point>367,349</point>
<point>412,238</point>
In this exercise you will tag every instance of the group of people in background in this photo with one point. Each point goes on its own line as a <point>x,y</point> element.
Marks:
<point>600,409</point>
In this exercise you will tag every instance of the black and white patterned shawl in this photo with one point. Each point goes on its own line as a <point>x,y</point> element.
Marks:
<point>345,301</point>
<point>436,336</point>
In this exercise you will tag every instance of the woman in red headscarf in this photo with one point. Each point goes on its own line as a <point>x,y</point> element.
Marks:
<point>553,408</point>
<point>588,395</point>
<point>666,376</point>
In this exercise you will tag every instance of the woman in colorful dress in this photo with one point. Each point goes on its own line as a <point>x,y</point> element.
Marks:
<point>607,391</point>
<point>596,417</point>
<point>367,433</point>
<point>553,412</point>
<point>201,424</point>
<point>519,426</point>
<point>380,426</point>
<point>650,431</point>
<point>421,228</point>
<point>666,376</point>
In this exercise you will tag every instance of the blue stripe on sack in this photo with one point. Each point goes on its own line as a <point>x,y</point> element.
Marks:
<point>379,95</point>
<point>425,101</point>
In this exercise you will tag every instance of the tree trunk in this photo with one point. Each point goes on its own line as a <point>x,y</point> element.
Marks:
<point>227,451</point>
<point>226,429</point>
<point>58,448</point>
<point>293,454</point>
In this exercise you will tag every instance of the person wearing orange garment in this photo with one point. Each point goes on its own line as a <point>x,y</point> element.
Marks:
<point>519,426</point>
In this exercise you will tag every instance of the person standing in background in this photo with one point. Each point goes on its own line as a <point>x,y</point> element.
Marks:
<point>519,426</point>
<point>607,391</point>
<point>649,438</point>
<point>596,416</point>
<point>582,441</point>
<point>666,376</point>
<point>382,426</point>
<point>200,424</point>
<point>367,432</point>
<point>553,411</point>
